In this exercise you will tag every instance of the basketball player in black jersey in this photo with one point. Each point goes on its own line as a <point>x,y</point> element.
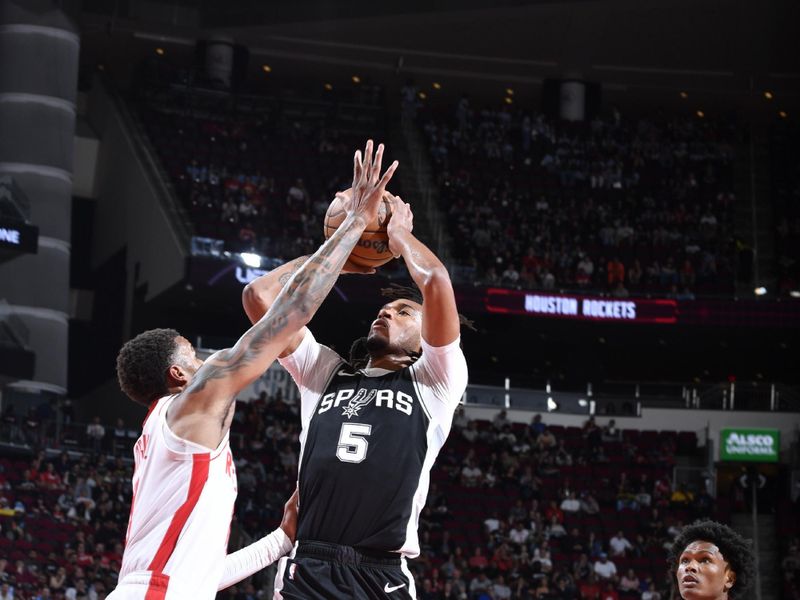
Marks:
<point>370,435</point>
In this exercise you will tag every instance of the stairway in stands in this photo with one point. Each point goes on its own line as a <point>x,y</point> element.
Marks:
<point>768,558</point>
<point>754,224</point>
<point>419,187</point>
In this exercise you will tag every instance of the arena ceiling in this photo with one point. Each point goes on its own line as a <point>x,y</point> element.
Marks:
<point>725,51</point>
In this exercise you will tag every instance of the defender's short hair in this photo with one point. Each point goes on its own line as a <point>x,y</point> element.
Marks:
<point>143,362</point>
<point>735,549</point>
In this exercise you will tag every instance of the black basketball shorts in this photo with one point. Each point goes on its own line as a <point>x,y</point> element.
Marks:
<point>322,571</point>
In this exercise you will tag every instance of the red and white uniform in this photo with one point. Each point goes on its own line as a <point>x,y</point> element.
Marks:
<point>183,496</point>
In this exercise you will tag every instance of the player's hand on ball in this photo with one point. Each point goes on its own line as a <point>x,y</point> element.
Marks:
<point>368,185</point>
<point>289,522</point>
<point>402,222</point>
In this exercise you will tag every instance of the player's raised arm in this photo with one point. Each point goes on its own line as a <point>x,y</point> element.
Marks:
<point>260,294</point>
<point>440,320</point>
<point>213,388</point>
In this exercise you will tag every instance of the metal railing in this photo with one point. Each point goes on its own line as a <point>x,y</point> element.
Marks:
<point>627,398</point>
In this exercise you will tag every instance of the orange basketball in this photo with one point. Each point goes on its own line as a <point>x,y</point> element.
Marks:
<point>372,250</point>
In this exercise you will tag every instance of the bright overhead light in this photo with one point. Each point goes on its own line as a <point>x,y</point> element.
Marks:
<point>329,86</point>
<point>583,402</point>
<point>509,100</point>
<point>795,293</point>
<point>160,51</point>
<point>422,95</point>
<point>684,95</point>
<point>510,91</point>
<point>783,114</point>
<point>768,95</point>
<point>437,85</point>
<point>356,79</point>
<point>251,260</point>
<point>266,68</point>
<point>551,405</point>
<point>700,114</point>
<point>760,291</point>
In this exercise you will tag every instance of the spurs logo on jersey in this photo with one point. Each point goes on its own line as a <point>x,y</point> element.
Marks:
<point>357,402</point>
<point>358,399</point>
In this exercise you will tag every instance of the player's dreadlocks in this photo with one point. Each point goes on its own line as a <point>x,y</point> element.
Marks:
<point>359,354</point>
<point>735,549</point>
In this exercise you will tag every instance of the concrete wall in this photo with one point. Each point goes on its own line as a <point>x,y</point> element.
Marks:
<point>129,212</point>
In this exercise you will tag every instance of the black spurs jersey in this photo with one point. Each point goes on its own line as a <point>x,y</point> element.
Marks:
<point>369,439</point>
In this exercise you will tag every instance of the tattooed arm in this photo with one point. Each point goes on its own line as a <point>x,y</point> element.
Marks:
<point>202,411</point>
<point>260,294</point>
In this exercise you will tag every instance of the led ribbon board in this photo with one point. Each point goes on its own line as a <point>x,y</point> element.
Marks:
<point>630,310</point>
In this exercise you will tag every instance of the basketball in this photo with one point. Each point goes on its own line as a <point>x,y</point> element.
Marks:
<point>372,250</point>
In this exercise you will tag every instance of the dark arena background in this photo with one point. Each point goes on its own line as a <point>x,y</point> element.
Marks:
<point>613,185</point>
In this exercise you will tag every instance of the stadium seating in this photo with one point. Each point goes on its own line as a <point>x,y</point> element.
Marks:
<point>521,474</point>
<point>619,204</point>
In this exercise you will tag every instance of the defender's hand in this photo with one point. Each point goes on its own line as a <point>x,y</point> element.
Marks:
<point>401,223</point>
<point>289,522</point>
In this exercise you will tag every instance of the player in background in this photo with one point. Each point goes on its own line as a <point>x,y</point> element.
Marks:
<point>711,561</point>
<point>371,430</point>
<point>184,483</point>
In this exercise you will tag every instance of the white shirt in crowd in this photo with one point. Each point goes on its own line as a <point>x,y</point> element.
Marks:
<point>619,544</point>
<point>570,505</point>
<point>605,569</point>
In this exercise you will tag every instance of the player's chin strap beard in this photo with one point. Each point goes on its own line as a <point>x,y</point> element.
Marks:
<point>360,355</point>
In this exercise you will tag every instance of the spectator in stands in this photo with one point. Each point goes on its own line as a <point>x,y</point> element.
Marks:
<point>681,497</point>
<point>120,437</point>
<point>470,433</point>
<point>590,588</point>
<point>95,432</point>
<point>629,582</point>
<point>541,555</point>
<point>499,589</point>
<point>651,593</point>
<point>480,584</point>
<point>49,479</point>
<point>471,474</point>
<point>537,427</point>
<point>519,535</point>
<point>500,421</point>
<point>554,512</point>
<point>571,504</point>
<point>609,593</point>
<point>619,544</point>
<point>478,560</point>
<point>589,504</point>
<point>604,568</point>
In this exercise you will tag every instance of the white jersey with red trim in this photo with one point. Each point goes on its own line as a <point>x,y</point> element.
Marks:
<point>183,496</point>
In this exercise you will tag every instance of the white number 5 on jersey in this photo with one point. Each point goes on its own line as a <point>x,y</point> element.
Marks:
<point>352,442</point>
